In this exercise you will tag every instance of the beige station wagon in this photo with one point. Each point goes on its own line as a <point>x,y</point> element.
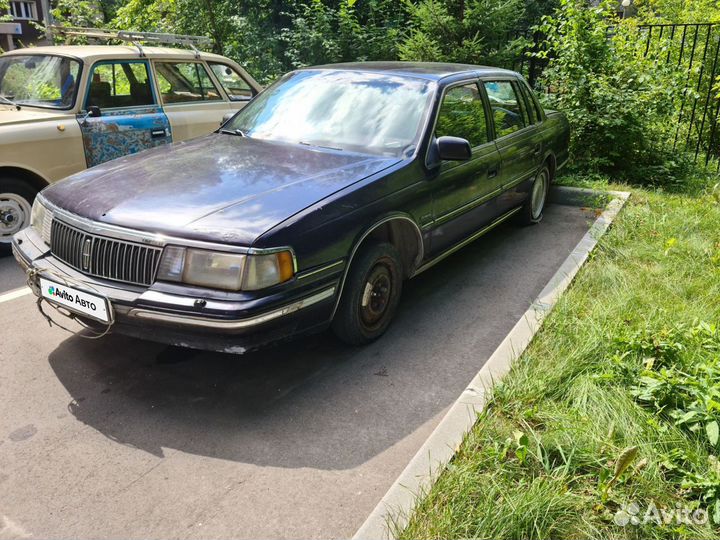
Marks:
<point>66,108</point>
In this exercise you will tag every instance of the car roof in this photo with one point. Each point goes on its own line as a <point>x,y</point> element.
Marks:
<point>99,52</point>
<point>425,70</point>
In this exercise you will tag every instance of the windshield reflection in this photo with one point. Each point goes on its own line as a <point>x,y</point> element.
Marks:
<point>361,112</point>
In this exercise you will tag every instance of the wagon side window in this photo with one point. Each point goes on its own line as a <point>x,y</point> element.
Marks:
<point>182,82</point>
<point>506,108</point>
<point>236,87</point>
<point>119,84</point>
<point>462,114</point>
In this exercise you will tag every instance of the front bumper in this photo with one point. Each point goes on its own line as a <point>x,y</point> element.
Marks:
<point>182,316</point>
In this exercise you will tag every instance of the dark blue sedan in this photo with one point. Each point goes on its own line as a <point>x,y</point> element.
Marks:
<point>306,210</point>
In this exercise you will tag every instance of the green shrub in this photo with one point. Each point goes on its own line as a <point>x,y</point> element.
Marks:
<point>323,32</point>
<point>620,103</point>
<point>471,31</point>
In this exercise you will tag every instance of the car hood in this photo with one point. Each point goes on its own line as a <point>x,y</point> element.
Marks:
<point>219,188</point>
<point>9,115</point>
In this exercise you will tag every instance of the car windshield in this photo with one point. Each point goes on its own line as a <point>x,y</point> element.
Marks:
<point>360,112</point>
<point>39,80</point>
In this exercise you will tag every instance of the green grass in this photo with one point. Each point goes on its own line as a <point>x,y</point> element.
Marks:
<point>539,461</point>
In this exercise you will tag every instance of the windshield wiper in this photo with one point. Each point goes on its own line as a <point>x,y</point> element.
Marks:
<point>9,102</point>
<point>320,146</point>
<point>238,132</point>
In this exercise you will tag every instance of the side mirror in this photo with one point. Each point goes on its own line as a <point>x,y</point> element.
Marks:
<point>454,148</point>
<point>226,118</point>
<point>94,111</point>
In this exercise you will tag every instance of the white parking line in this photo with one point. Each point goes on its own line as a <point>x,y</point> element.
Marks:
<point>15,293</point>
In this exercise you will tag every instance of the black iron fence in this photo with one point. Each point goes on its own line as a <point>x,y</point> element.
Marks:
<point>695,50</point>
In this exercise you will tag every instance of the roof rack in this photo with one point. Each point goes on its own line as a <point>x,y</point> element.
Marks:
<point>133,37</point>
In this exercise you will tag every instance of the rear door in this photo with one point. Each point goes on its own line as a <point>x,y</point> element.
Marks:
<point>191,100</point>
<point>464,192</point>
<point>516,138</point>
<point>130,118</point>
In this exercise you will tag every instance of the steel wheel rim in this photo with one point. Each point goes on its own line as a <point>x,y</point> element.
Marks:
<point>539,191</point>
<point>15,213</point>
<point>376,296</point>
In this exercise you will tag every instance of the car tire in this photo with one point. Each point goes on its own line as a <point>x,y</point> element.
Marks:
<point>532,209</point>
<point>16,199</point>
<point>370,296</point>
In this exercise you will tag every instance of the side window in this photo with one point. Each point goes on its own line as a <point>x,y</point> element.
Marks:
<point>532,110</point>
<point>522,102</point>
<point>119,84</point>
<point>505,105</point>
<point>462,114</point>
<point>235,86</point>
<point>181,82</point>
<point>535,104</point>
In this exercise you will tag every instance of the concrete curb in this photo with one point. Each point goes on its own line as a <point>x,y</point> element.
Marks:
<point>394,509</point>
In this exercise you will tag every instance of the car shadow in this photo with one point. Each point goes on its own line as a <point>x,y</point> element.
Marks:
<point>315,402</point>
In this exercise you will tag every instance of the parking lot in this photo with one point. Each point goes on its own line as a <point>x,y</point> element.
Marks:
<point>120,438</point>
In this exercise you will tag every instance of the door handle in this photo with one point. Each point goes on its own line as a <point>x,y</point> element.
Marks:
<point>157,133</point>
<point>492,173</point>
<point>537,151</point>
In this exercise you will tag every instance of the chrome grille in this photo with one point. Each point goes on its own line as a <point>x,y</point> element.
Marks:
<point>104,257</point>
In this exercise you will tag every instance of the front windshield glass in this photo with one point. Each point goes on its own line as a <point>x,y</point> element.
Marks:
<point>39,80</point>
<point>361,112</point>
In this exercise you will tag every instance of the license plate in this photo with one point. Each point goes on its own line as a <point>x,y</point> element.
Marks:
<point>75,300</point>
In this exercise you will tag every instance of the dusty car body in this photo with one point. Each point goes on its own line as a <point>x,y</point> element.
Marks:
<point>66,108</point>
<point>306,210</point>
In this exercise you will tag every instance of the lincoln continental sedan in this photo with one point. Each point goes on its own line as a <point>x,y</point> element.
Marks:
<point>306,210</point>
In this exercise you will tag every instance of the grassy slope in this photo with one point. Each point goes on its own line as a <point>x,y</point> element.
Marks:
<point>566,407</point>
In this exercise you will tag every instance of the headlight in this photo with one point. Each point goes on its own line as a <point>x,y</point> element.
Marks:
<point>202,267</point>
<point>227,271</point>
<point>41,220</point>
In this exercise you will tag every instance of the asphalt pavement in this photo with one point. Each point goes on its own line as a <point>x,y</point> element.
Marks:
<point>120,438</point>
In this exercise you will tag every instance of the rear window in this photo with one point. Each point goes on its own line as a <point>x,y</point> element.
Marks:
<point>235,86</point>
<point>181,82</point>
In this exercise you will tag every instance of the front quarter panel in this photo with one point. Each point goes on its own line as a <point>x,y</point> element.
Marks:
<point>329,230</point>
<point>52,149</point>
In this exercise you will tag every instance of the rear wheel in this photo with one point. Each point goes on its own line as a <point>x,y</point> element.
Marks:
<point>370,296</point>
<point>532,210</point>
<point>16,199</point>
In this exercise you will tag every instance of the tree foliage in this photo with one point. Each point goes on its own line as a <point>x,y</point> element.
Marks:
<point>273,36</point>
<point>467,31</point>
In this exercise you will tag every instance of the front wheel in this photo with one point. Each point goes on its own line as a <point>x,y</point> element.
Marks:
<point>16,199</point>
<point>371,295</point>
<point>532,210</point>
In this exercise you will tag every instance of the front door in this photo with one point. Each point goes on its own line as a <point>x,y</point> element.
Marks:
<point>465,191</point>
<point>129,118</point>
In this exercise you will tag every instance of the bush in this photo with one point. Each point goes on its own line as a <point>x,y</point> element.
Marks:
<point>351,31</point>
<point>620,103</point>
<point>472,31</point>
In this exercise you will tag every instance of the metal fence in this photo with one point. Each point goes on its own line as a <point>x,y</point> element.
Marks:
<point>693,49</point>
